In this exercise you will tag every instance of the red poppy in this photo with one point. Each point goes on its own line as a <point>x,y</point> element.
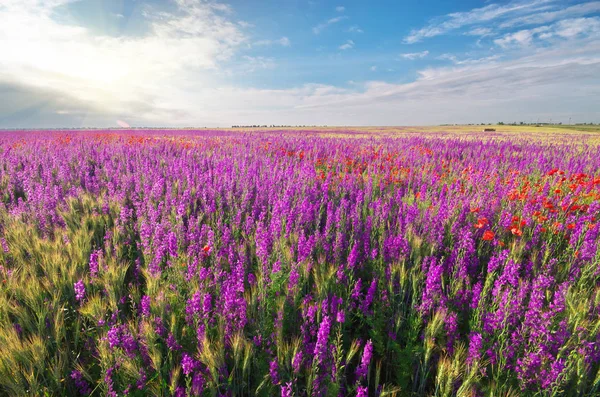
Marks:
<point>481,222</point>
<point>516,231</point>
<point>206,248</point>
<point>513,194</point>
<point>571,226</point>
<point>488,235</point>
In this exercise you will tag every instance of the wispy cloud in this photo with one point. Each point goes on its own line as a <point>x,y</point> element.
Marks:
<point>284,42</point>
<point>373,68</point>
<point>256,63</point>
<point>565,29</point>
<point>520,38</point>
<point>322,26</point>
<point>468,61</point>
<point>245,24</point>
<point>347,45</point>
<point>414,55</point>
<point>340,8</point>
<point>518,84</point>
<point>570,28</point>
<point>355,29</point>
<point>551,16</point>
<point>475,16</point>
<point>482,32</point>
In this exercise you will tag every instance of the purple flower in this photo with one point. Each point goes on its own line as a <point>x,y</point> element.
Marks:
<point>369,297</point>
<point>363,368</point>
<point>273,371</point>
<point>286,390</point>
<point>451,327</point>
<point>80,383</point>
<point>172,342</point>
<point>197,384</point>
<point>172,244</point>
<point>79,288</point>
<point>180,392</point>
<point>145,306</point>
<point>141,382</point>
<point>362,391</point>
<point>109,381</point>
<point>4,245</point>
<point>340,316</point>
<point>94,267</point>
<point>188,364</point>
<point>475,345</point>
<point>476,295</point>
<point>297,362</point>
<point>129,344</point>
<point>321,348</point>
<point>114,336</point>
<point>194,306</point>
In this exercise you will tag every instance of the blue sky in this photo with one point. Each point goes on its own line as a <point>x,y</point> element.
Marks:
<point>83,63</point>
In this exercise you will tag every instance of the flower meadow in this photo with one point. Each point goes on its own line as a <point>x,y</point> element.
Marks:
<point>298,263</point>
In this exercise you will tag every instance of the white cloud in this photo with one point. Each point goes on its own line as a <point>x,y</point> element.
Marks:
<point>551,16</point>
<point>322,26</point>
<point>482,32</point>
<point>549,81</point>
<point>468,61</point>
<point>570,28</point>
<point>520,38</point>
<point>256,63</point>
<point>567,29</point>
<point>284,42</point>
<point>355,29</point>
<point>347,45</point>
<point>245,24</point>
<point>373,68</point>
<point>475,16</point>
<point>114,74</point>
<point>340,8</point>
<point>531,87</point>
<point>415,55</point>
